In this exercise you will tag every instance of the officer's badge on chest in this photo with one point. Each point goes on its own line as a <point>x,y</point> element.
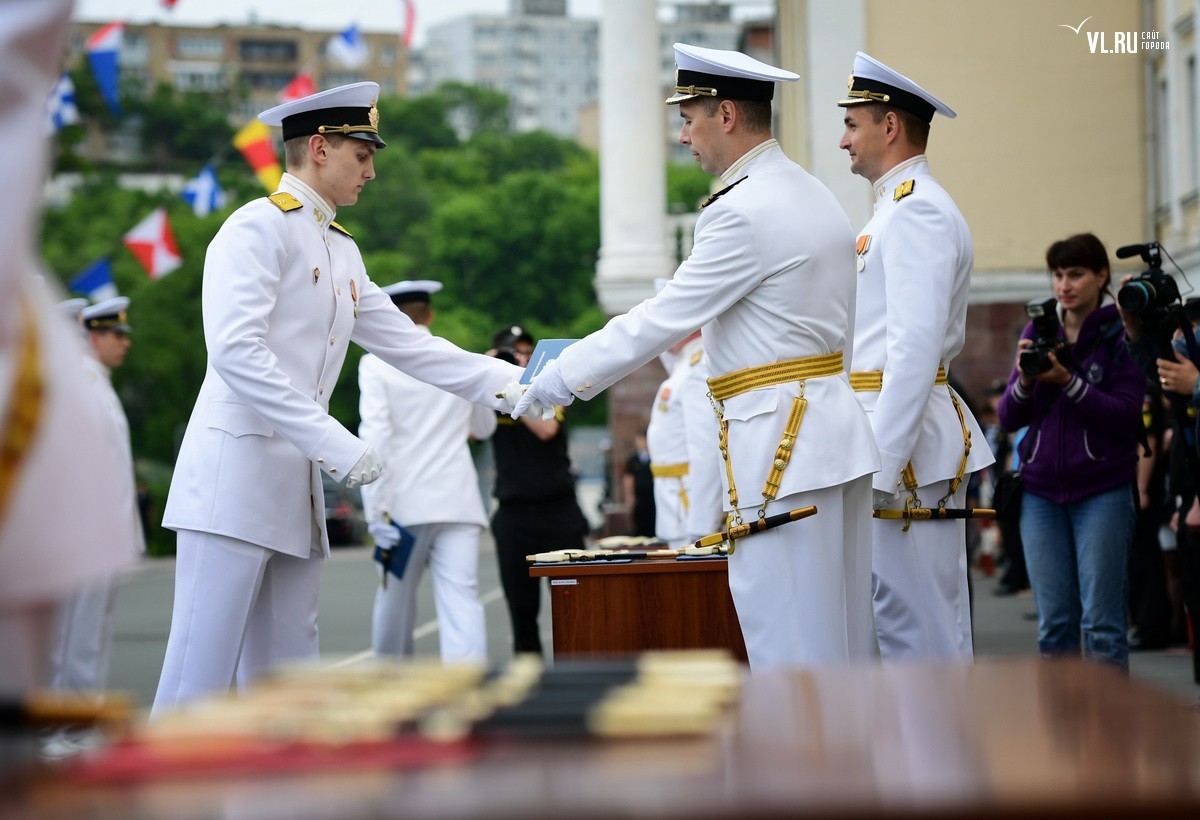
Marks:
<point>663,397</point>
<point>860,247</point>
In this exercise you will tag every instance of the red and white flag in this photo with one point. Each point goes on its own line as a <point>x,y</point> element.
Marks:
<point>153,243</point>
<point>301,86</point>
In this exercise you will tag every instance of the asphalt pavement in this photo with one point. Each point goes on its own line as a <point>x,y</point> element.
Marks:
<point>1003,626</point>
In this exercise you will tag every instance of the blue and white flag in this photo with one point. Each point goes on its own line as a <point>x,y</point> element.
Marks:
<point>103,51</point>
<point>95,282</point>
<point>203,192</point>
<point>60,106</point>
<point>348,48</point>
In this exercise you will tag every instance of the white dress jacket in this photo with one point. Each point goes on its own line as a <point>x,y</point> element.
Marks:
<point>771,277</point>
<point>420,432</point>
<point>912,317</point>
<point>284,294</point>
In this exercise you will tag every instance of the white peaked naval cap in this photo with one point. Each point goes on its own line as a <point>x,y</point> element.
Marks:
<point>711,72</point>
<point>412,290</point>
<point>71,308</point>
<point>872,81</point>
<point>111,314</point>
<point>348,109</point>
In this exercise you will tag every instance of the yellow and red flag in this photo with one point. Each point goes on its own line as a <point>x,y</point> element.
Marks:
<point>254,141</point>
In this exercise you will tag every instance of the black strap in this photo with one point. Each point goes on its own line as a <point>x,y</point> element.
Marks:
<point>714,197</point>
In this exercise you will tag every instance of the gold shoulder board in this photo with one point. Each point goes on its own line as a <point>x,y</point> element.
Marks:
<point>285,201</point>
<point>340,229</point>
<point>903,189</point>
<point>696,357</point>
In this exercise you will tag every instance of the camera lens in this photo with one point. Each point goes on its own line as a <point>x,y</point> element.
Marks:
<point>1136,296</point>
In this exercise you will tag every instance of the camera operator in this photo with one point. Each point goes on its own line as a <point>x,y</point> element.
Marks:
<point>1180,382</point>
<point>1080,392</point>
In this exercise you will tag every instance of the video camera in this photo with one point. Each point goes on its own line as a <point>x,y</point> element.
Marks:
<point>1044,315</point>
<point>1153,295</point>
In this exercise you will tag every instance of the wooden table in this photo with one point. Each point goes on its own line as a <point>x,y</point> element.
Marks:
<point>602,608</point>
<point>996,738</point>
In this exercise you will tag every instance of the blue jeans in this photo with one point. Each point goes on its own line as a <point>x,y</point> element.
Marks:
<point>1078,557</point>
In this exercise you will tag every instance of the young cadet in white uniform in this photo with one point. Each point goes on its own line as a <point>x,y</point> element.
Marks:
<point>61,523</point>
<point>430,487</point>
<point>771,280</point>
<point>285,292</point>
<point>914,270</point>
<point>682,438</point>
<point>83,642</point>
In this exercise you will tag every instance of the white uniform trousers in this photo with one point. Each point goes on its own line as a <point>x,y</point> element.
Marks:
<point>239,609</point>
<point>83,641</point>
<point>803,590</point>
<point>922,607</point>
<point>452,552</point>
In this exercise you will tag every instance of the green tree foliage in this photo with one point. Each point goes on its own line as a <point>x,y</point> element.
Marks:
<point>508,222</point>
<point>179,129</point>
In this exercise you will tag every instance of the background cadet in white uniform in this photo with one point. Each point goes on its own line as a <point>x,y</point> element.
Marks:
<point>684,458</point>
<point>914,264</point>
<point>429,487</point>
<point>285,292</point>
<point>52,427</point>
<point>83,640</point>
<point>771,278</point>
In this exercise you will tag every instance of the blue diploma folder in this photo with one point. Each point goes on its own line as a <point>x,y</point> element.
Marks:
<point>547,350</point>
<point>395,559</point>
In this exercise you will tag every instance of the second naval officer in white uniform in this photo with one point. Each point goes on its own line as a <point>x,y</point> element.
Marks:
<point>83,642</point>
<point>431,489</point>
<point>285,292</point>
<point>682,438</point>
<point>914,270</point>
<point>771,281</point>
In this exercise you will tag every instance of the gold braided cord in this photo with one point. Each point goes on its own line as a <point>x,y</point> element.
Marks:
<point>783,453</point>
<point>25,410</point>
<point>791,370</point>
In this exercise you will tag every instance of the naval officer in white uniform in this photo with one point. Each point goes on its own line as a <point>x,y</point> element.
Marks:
<point>914,271</point>
<point>431,489</point>
<point>682,438</point>
<point>771,281</point>
<point>83,642</point>
<point>285,292</point>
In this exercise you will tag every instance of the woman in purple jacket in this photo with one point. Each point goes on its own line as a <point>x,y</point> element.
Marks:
<point>1079,457</point>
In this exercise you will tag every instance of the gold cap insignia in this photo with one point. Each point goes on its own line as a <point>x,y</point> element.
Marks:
<point>373,116</point>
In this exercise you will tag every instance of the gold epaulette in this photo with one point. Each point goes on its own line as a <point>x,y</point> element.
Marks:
<point>285,201</point>
<point>340,229</point>
<point>903,189</point>
<point>696,357</point>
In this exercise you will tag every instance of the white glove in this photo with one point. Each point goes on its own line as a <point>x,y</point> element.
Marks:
<point>881,500</point>
<point>545,392</point>
<point>366,470</point>
<point>385,534</point>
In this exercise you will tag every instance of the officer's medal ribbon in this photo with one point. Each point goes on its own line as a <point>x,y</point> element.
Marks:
<point>354,297</point>
<point>860,247</point>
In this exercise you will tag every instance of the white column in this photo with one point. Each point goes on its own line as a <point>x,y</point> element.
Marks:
<point>817,40</point>
<point>633,183</point>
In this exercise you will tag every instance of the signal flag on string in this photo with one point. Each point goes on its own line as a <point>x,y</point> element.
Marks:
<point>300,86</point>
<point>153,243</point>
<point>95,281</point>
<point>203,192</point>
<point>103,51</point>
<point>254,141</point>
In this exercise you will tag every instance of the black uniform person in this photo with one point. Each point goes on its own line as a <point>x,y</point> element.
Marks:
<point>537,511</point>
